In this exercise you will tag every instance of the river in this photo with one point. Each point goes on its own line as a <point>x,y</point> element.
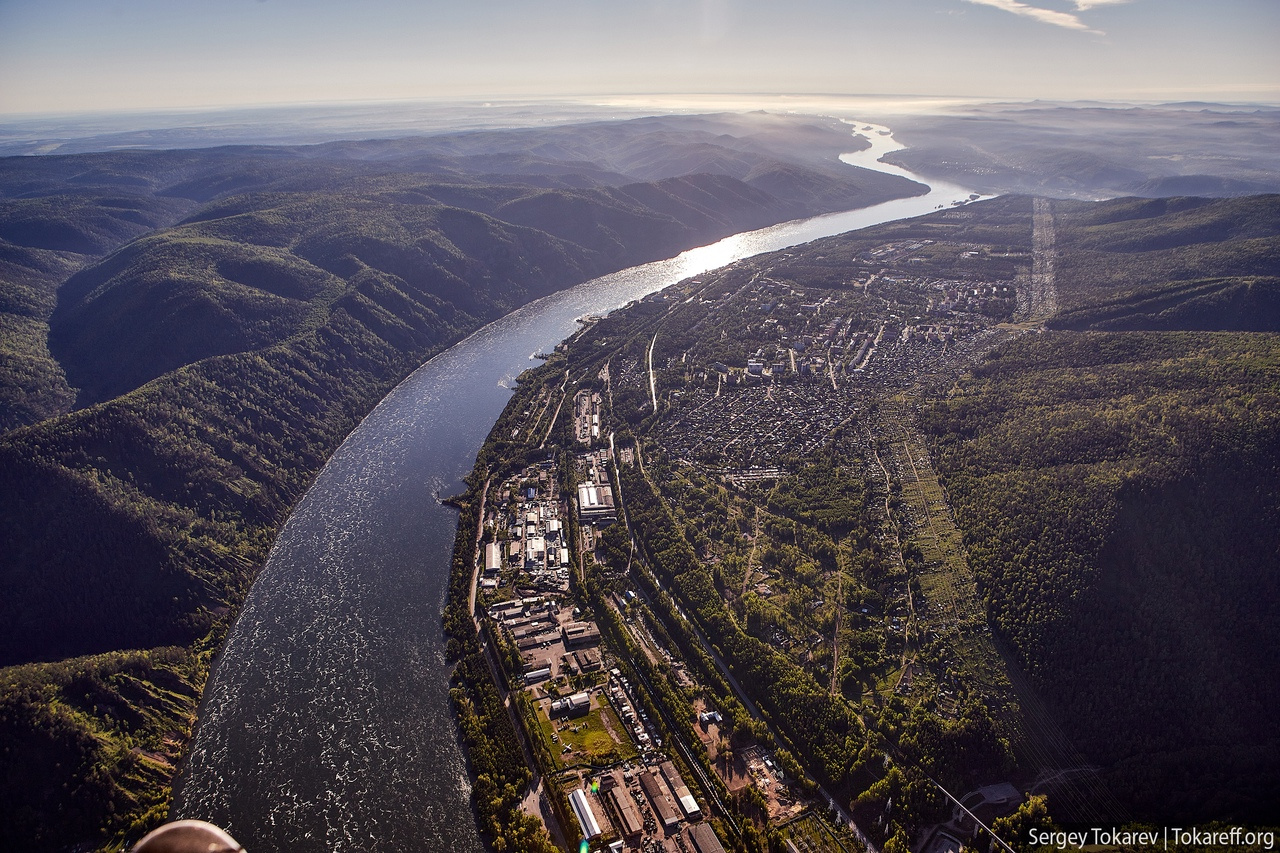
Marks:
<point>326,725</point>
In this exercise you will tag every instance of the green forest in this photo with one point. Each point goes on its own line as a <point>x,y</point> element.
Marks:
<point>1118,497</point>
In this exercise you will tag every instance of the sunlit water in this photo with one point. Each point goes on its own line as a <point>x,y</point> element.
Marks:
<point>326,725</point>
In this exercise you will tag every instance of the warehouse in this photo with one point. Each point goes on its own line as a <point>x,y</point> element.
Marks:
<point>629,819</point>
<point>688,804</point>
<point>655,790</point>
<point>586,817</point>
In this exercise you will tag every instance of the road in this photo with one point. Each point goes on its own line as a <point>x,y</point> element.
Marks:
<point>475,563</point>
<point>556,416</point>
<point>653,383</point>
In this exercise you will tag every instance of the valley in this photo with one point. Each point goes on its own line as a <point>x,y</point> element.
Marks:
<point>893,507</point>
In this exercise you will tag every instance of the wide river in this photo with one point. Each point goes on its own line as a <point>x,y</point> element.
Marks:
<point>326,725</point>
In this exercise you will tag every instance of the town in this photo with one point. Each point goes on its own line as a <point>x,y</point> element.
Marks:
<point>762,416</point>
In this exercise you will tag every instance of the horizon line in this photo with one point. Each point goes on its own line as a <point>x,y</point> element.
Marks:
<point>591,99</point>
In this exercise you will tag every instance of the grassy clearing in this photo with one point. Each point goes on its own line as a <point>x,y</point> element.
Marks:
<point>951,606</point>
<point>590,738</point>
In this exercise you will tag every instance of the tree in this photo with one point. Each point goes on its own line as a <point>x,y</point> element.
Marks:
<point>1014,829</point>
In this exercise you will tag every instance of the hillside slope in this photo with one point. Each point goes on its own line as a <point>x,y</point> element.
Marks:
<point>1181,263</point>
<point>43,240</point>
<point>1117,494</point>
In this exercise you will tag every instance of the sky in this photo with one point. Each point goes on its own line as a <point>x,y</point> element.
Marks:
<point>63,56</point>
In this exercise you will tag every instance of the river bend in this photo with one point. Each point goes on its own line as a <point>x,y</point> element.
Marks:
<point>326,725</point>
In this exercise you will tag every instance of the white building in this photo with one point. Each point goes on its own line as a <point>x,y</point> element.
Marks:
<point>586,817</point>
<point>492,558</point>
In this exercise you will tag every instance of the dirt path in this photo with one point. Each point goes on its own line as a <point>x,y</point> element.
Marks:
<point>475,561</point>
<point>835,636</point>
<point>608,384</point>
<point>563,393</point>
<point>751,558</point>
<point>606,722</point>
<point>871,442</point>
<point>544,398</point>
<point>537,805</point>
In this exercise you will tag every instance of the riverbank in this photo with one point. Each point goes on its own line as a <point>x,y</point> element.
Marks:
<point>342,618</point>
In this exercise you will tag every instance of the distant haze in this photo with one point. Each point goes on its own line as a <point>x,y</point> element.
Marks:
<point>310,123</point>
<point>60,56</point>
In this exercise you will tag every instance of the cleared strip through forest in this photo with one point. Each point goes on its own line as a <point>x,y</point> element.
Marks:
<point>953,609</point>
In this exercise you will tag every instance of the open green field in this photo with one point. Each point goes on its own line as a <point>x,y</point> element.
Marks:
<point>954,607</point>
<point>597,738</point>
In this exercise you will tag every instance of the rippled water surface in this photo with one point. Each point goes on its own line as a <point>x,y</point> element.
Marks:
<point>326,725</point>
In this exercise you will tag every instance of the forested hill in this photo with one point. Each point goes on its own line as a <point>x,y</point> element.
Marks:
<point>187,336</point>
<point>620,192</point>
<point>253,271</point>
<point>1118,496</point>
<point>1179,263</point>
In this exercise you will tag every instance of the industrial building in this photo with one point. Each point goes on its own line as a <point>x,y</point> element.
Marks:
<point>578,634</point>
<point>688,804</point>
<point>628,818</point>
<point>588,660</point>
<point>586,817</point>
<point>595,503</point>
<point>704,839</point>
<point>535,550</point>
<point>656,790</point>
<point>572,706</point>
<point>492,558</point>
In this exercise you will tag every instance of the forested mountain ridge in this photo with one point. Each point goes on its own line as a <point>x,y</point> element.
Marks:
<point>1117,493</point>
<point>226,317</point>
<point>59,213</point>
<point>259,270</point>
<point>1182,263</point>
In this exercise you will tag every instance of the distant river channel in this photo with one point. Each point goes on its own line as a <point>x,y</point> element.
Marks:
<point>326,725</point>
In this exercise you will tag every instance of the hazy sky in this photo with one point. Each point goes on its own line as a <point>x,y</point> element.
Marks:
<point>68,55</point>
